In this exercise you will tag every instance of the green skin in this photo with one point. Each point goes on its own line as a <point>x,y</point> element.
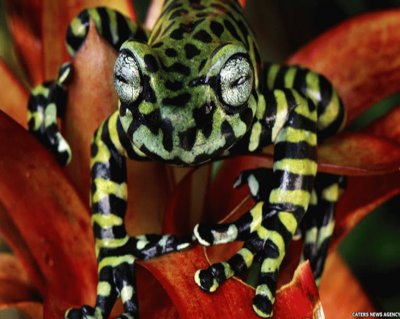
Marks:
<point>192,92</point>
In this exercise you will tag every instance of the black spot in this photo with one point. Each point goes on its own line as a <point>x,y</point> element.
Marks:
<point>196,5</point>
<point>148,92</point>
<point>173,85</point>
<point>228,133</point>
<point>232,30</point>
<point>177,34</point>
<point>187,138</point>
<point>158,44</point>
<point>191,51</point>
<point>246,116</point>
<point>203,36</point>
<point>177,68</point>
<point>152,121</point>
<point>167,129</point>
<point>171,52</point>
<point>151,63</point>
<point>178,13</point>
<point>179,100</point>
<point>202,64</point>
<point>203,118</point>
<point>216,28</point>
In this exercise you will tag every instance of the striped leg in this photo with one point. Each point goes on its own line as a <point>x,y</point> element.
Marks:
<point>114,27</point>
<point>116,251</point>
<point>318,225</point>
<point>47,102</point>
<point>274,223</point>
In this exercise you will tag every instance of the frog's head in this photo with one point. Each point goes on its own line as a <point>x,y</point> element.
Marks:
<point>185,111</point>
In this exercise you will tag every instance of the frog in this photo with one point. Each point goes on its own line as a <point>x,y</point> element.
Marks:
<point>191,91</point>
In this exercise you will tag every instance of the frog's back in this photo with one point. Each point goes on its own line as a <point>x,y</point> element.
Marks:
<point>193,29</point>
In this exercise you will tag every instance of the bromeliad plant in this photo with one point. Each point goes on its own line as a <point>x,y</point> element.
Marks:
<point>45,217</point>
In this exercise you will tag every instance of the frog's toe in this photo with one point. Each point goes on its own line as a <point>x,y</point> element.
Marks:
<point>217,234</point>
<point>262,305</point>
<point>241,229</point>
<point>206,280</point>
<point>84,312</point>
<point>150,246</point>
<point>210,279</point>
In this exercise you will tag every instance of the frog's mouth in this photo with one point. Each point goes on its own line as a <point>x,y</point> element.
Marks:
<point>180,143</point>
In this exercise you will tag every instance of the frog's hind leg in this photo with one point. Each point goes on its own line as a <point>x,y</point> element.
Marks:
<point>114,27</point>
<point>318,224</point>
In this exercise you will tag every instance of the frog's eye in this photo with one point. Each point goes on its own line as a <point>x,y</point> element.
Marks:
<point>236,81</point>
<point>127,77</point>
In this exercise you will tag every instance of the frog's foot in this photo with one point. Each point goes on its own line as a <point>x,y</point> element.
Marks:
<point>241,229</point>
<point>266,233</point>
<point>85,312</point>
<point>116,274</point>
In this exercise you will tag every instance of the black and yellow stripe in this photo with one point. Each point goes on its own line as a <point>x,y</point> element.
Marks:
<point>46,103</point>
<point>294,118</point>
<point>114,27</point>
<point>48,100</point>
<point>318,224</point>
<point>331,113</point>
<point>116,251</point>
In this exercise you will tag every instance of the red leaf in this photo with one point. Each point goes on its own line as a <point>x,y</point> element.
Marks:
<point>34,192</point>
<point>27,310</point>
<point>15,285</point>
<point>186,205</point>
<point>24,21</point>
<point>387,126</point>
<point>360,56</point>
<point>358,154</point>
<point>38,28</point>
<point>13,97</point>
<point>174,272</point>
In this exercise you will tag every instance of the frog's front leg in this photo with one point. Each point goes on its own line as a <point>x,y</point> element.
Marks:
<point>46,103</point>
<point>269,227</point>
<point>116,251</point>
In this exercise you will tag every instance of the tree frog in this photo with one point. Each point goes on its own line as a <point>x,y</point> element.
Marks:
<point>192,91</point>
